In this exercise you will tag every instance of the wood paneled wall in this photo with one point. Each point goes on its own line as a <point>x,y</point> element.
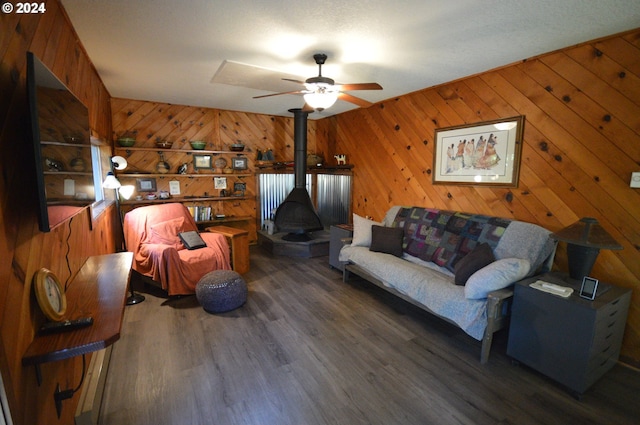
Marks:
<point>148,121</point>
<point>23,249</point>
<point>581,143</point>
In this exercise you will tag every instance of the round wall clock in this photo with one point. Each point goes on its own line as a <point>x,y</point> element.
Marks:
<point>50,295</point>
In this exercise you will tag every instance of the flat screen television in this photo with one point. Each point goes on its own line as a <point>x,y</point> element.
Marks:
<point>59,125</point>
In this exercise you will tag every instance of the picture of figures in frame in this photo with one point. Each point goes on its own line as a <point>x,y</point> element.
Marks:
<point>486,153</point>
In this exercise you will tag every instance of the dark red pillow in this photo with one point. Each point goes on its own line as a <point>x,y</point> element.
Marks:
<point>481,256</point>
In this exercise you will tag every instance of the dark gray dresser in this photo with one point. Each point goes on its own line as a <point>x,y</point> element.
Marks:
<point>572,340</point>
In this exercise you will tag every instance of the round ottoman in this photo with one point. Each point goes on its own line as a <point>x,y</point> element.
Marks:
<point>221,290</point>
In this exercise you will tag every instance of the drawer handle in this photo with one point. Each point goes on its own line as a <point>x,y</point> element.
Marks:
<point>606,349</point>
<point>612,324</point>
<point>613,313</point>
<point>608,336</point>
<point>616,302</point>
<point>604,362</point>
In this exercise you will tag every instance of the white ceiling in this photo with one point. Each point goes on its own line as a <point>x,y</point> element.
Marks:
<point>169,51</point>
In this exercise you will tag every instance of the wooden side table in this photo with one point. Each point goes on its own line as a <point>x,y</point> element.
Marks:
<point>239,242</point>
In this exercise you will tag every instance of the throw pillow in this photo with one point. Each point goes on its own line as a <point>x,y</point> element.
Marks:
<point>166,232</point>
<point>479,257</point>
<point>387,240</point>
<point>496,275</point>
<point>362,231</point>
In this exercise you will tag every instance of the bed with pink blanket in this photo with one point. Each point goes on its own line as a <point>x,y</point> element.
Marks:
<point>151,233</point>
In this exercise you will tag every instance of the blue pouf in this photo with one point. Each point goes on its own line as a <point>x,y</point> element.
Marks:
<point>221,290</point>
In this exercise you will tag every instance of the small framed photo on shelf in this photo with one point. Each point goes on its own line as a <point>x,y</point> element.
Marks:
<point>239,163</point>
<point>202,162</point>
<point>239,188</point>
<point>146,185</point>
<point>220,182</point>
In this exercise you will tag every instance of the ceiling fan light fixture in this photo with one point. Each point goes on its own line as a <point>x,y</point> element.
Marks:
<point>321,100</point>
<point>321,95</point>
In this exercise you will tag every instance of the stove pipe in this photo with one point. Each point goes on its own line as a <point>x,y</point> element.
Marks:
<point>296,214</point>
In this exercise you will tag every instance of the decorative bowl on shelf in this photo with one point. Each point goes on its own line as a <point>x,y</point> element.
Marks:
<point>126,142</point>
<point>237,147</point>
<point>198,144</point>
<point>164,144</point>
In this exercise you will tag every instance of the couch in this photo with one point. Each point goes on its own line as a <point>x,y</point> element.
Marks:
<point>458,266</point>
<point>151,233</point>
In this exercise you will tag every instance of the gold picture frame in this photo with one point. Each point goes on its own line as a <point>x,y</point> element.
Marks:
<point>486,153</point>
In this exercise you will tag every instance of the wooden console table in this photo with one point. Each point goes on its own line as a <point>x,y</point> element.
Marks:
<point>99,290</point>
<point>239,243</point>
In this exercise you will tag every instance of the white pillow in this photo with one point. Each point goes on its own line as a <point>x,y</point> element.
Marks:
<point>496,275</point>
<point>362,231</point>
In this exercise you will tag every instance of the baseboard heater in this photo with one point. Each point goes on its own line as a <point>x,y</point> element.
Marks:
<point>93,388</point>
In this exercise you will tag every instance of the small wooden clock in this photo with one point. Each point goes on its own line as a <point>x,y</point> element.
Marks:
<point>50,294</point>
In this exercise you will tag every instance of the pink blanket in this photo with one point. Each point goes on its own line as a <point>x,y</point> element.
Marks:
<point>151,233</point>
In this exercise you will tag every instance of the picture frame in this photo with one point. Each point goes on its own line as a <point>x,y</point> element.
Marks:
<point>220,182</point>
<point>239,188</point>
<point>146,184</point>
<point>589,287</point>
<point>485,154</point>
<point>202,162</point>
<point>239,163</point>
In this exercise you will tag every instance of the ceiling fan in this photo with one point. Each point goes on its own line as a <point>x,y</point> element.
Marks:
<point>322,92</point>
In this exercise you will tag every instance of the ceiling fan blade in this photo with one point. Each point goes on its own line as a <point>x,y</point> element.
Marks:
<point>360,86</point>
<point>355,100</point>
<point>278,94</point>
<point>293,81</point>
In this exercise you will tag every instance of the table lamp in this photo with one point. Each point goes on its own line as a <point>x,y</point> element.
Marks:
<point>585,238</point>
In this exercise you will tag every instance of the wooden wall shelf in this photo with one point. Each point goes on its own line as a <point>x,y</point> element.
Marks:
<point>192,151</point>
<point>184,200</point>
<point>99,290</point>
<point>145,175</point>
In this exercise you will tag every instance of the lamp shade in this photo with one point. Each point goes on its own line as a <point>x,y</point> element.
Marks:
<point>111,182</point>
<point>589,233</point>
<point>585,238</point>
<point>322,96</point>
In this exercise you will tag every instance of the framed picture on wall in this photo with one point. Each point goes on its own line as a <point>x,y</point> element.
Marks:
<point>486,153</point>
<point>146,185</point>
<point>220,182</point>
<point>202,162</point>
<point>239,163</point>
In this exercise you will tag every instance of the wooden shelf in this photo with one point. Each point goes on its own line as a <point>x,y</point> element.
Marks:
<point>99,290</point>
<point>183,200</point>
<point>191,151</point>
<point>144,175</point>
<point>65,144</point>
<point>229,219</point>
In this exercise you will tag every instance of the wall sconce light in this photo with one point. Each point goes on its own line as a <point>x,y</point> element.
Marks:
<point>585,238</point>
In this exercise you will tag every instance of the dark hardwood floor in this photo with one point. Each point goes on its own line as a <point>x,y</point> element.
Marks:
<point>308,349</point>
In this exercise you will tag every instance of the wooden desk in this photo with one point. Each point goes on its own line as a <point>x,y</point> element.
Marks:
<point>239,242</point>
<point>99,290</point>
